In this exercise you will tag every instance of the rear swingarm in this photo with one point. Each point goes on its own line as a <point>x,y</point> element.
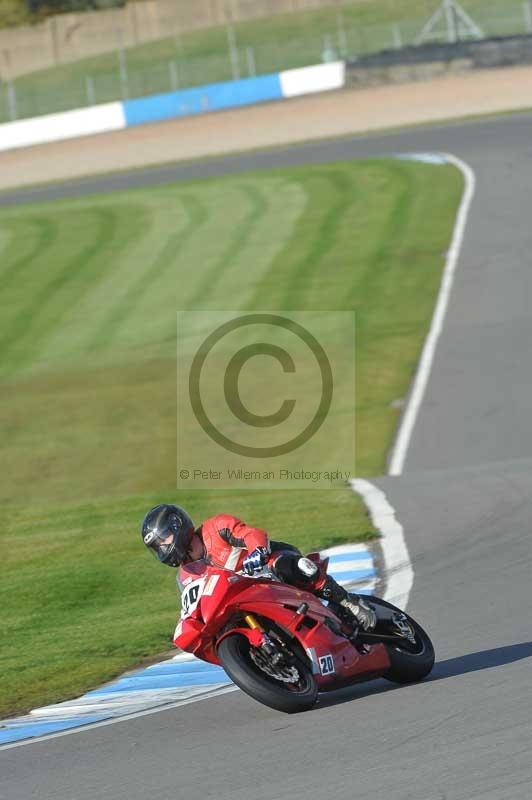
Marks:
<point>374,638</point>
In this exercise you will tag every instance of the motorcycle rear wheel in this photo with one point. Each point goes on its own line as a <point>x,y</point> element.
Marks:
<point>409,662</point>
<point>234,653</point>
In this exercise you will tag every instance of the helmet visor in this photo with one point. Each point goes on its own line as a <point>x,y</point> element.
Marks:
<point>165,547</point>
<point>162,546</point>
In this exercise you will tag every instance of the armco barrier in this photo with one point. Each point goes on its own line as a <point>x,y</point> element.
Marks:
<point>321,78</point>
<point>198,100</point>
<point>66,125</point>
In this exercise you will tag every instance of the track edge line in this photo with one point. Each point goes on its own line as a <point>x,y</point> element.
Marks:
<point>398,569</point>
<point>418,387</point>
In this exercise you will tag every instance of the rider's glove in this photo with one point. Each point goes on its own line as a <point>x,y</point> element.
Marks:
<point>255,561</point>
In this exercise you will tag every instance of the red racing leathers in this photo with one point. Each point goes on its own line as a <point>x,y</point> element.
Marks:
<point>227,541</point>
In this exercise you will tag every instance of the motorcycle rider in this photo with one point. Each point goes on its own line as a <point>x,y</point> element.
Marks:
<point>226,541</point>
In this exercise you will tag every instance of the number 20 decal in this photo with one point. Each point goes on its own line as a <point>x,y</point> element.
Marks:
<point>190,598</point>
<point>326,665</point>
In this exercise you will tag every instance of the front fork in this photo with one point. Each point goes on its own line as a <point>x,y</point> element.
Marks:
<point>265,643</point>
<point>253,623</point>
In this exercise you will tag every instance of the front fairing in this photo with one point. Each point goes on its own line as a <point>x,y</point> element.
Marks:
<point>212,596</point>
<point>206,591</point>
<point>334,659</point>
<point>226,595</point>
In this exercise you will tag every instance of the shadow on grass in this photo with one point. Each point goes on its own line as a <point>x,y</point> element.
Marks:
<point>450,668</point>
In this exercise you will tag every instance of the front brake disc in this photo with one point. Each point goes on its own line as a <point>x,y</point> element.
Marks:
<point>281,672</point>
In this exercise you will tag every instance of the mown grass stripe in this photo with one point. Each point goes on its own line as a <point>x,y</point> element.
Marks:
<point>197,216</point>
<point>141,226</point>
<point>387,247</point>
<point>211,283</point>
<point>323,239</point>
<point>40,232</point>
<point>288,282</point>
<point>31,324</point>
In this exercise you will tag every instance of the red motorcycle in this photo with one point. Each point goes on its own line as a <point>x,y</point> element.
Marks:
<point>282,645</point>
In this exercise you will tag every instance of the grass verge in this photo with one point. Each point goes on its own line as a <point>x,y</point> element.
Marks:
<point>90,288</point>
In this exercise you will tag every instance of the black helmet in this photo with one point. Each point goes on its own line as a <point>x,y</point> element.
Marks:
<point>167,531</point>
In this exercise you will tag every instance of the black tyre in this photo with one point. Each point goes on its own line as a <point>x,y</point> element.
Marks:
<point>410,661</point>
<point>242,663</point>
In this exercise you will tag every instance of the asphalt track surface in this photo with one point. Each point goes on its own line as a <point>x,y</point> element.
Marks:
<point>465,501</point>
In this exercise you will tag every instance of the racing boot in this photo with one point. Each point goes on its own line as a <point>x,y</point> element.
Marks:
<point>351,607</point>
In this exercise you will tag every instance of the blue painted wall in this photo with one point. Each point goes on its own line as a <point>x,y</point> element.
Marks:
<point>213,97</point>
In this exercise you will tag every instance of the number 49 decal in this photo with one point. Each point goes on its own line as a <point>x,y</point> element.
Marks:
<point>327,665</point>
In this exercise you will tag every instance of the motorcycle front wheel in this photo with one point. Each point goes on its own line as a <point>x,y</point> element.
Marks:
<point>285,686</point>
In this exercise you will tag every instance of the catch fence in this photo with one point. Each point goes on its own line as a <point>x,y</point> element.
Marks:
<point>226,53</point>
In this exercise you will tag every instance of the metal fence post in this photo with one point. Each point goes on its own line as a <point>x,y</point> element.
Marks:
<point>328,52</point>
<point>174,77</point>
<point>527,14</point>
<point>52,22</point>
<point>122,66</point>
<point>122,63</point>
<point>342,36</point>
<point>397,38</point>
<point>12,101</point>
<point>250,56</point>
<point>89,90</point>
<point>233,52</point>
